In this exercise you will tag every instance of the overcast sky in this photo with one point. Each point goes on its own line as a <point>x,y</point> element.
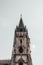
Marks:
<point>32,14</point>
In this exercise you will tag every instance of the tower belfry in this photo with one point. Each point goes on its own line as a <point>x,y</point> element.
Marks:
<point>21,53</point>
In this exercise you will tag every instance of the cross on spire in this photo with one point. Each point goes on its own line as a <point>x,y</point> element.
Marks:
<point>21,16</point>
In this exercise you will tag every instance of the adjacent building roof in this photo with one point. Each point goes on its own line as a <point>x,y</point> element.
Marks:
<point>6,62</point>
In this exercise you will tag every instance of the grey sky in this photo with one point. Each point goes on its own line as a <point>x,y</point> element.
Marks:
<point>32,14</point>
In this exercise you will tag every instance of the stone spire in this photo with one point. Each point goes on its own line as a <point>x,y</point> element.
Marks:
<point>21,22</point>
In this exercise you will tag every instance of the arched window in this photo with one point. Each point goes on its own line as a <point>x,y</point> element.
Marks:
<point>6,64</point>
<point>20,40</point>
<point>20,63</point>
<point>20,49</point>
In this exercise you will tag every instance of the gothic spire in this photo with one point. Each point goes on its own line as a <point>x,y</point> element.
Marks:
<point>21,22</point>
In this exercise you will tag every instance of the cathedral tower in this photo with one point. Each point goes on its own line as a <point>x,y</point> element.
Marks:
<point>21,53</point>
